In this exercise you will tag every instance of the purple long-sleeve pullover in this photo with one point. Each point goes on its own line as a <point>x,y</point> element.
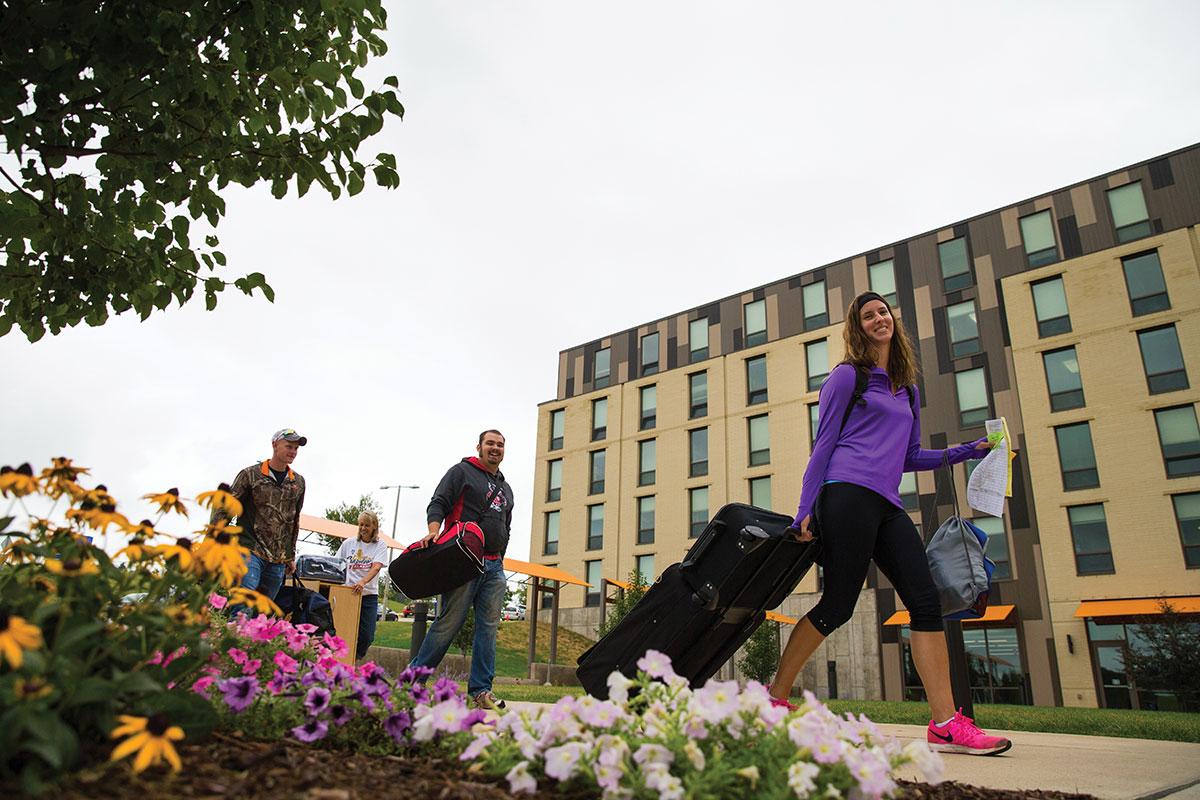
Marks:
<point>879,443</point>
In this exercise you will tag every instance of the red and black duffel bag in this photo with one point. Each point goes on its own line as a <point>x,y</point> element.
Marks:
<point>455,557</point>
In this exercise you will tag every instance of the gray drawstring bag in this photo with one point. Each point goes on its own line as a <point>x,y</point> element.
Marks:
<point>956,559</point>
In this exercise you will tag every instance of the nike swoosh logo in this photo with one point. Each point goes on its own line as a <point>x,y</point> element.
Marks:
<point>946,739</point>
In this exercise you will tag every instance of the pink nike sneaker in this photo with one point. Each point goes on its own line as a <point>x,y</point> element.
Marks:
<point>779,702</point>
<point>961,736</point>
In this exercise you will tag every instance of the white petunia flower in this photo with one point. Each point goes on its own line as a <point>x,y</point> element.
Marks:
<point>750,773</point>
<point>656,665</point>
<point>694,754</point>
<point>802,778</point>
<point>618,687</point>
<point>519,779</point>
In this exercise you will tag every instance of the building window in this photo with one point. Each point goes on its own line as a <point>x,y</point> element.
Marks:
<point>956,264</point>
<point>698,395</point>
<point>1187,516</point>
<point>1089,534</point>
<point>599,419</point>
<point>647,453</point>
<point>1063,379</point>
<point>756,322</point>
<point>997,546</point>
<point>601,368</point>
<point>550,546</point>
<point>597,473</point>
<point>698,340</point>
<point>1076,457</point>
<point>1128,207</point>
<point>650,354</point>
<point>698,510</point>
<point>1117,689</point>
<point>994,664</point>
<point>554,481</point>
<point>1162,359</point>
<point>591,572</point>
<point>760,491</point>
<point>548,597</point>
<point>964,329</point>
<point>1144,280</point>
<point>595,538</point>
<point>908,490</point>
<point>645,568</point>
<point>816,310</point>
<point>645,510</point>
<point>816,361</point>
<point>648,397</point>
<point>556,428</point>
<point>973,406</point>
<point>1037,232</point>
<point>814,421</point>
<point>881,278</point>
<point>1050,305</point>
<point>698,450</point>
<point>760,440</point>
<point>756,380</point>
<point>1179,437</point>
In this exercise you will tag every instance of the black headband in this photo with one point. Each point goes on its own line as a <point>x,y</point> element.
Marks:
<point>866,297</point>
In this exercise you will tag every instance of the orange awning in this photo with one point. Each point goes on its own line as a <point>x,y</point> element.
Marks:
<point>619,584</point>
<point>341,530</point>
<point>993,614</point>
<point>1138,607</point>
<point>542,571</point>
<point>774,616</point>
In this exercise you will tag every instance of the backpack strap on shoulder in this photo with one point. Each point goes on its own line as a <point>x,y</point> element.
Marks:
<point>861,376</point>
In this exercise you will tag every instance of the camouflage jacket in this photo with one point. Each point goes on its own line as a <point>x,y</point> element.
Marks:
<point>270,519</point>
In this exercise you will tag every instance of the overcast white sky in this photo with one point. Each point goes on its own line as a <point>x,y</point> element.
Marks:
<point>569,170</point>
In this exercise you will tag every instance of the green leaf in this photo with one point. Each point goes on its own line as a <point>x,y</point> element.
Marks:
<point>191,712</point>
<point>392,80</point>
<point>75,633</point>
<point>354,185</point>
<point>325,72</point>
<point>51,739</point>
<point>89,690</point>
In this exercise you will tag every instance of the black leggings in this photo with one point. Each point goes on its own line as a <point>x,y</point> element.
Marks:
<point>857,525</point>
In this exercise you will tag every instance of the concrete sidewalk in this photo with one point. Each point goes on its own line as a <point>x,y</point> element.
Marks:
<point>1104,766</point>
<point>1107,767</point>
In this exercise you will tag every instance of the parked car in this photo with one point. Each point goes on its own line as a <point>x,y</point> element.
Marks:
<point>411,609</point>
<point>512,611</point>
<point>387,614</point>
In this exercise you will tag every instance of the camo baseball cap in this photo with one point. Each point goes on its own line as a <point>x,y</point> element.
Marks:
<point>289,434</point>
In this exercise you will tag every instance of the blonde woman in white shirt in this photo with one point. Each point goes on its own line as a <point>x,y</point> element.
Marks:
<point>365,555</point>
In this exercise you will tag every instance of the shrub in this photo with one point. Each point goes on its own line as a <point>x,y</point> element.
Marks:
<point>625,602</point>
<point>656,738</point>
<point>88,641</point>
<point>762,653</point>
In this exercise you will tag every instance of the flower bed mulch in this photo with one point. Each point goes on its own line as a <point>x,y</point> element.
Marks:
<point>229,766</point>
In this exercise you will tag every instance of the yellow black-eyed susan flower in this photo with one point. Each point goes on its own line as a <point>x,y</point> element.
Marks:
<point>17,482</point>
<point>44,584</point>
<point>220,554</point>
<point>33,688</point>
<point>180,613</point>
<point>102,516</point>
<point>256,600</point>
<point>72,566</point>
<point>137,550</point>
<point>152,739</point>
<point>17,636</point>
<point>167,501</point>
<point>59,477</point>
<point>181,550</point>
<point>221,499</point>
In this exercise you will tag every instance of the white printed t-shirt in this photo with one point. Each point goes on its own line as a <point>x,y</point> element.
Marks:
<point>359,557</point>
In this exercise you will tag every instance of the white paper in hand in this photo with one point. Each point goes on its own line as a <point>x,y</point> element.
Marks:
<point>985,490</point>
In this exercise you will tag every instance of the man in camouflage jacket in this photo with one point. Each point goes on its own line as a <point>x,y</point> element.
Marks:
<point>271,494</point>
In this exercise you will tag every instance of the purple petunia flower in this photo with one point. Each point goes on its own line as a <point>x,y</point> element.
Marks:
<point>340,714</point>
<point>280,682</point>
<point>419,694</point>
<point>443,689</point>
<point>310,731</point>
<point>397,724</point>
<point>360,696</point>
<point>376,683</point>
<point>238,692</point>
<point>473,717</point>
<point>414,674</point>
<point>317,700</point>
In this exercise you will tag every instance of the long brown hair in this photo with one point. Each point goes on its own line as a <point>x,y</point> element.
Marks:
<point>902,367</point>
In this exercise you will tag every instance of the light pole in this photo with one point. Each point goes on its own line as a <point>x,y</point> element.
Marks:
<point>395,515</point>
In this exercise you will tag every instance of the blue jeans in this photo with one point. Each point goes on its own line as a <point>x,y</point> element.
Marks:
<point>366,623</point>
<point>486,595</point>
<point>264,577</point>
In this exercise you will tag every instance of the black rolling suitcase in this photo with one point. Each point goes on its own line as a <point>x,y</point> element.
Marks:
<point>700,611</point>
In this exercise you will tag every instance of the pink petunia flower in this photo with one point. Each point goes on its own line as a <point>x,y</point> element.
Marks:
<point>238,656</point>
<point>217,601</point>
<point>285,662</point>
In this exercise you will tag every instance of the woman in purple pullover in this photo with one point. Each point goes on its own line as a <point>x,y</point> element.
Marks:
<point>852,483</point>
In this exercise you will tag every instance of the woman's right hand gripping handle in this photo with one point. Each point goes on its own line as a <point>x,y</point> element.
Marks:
<point>803,533</point>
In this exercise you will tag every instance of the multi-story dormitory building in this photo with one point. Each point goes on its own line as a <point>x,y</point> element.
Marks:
<point>1075,314</point>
